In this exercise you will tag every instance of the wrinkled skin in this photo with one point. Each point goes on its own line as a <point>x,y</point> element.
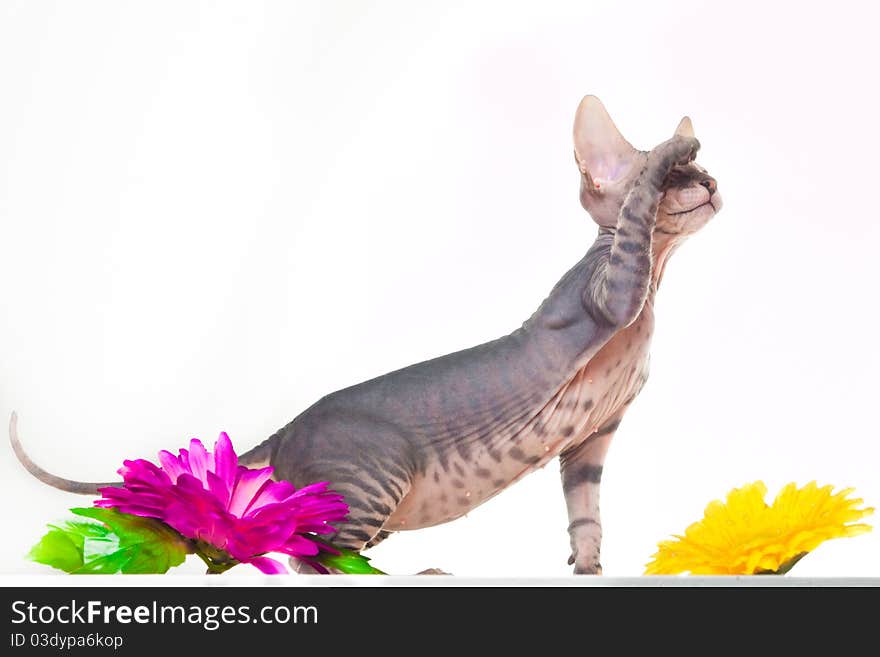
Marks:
<point>426,444</point>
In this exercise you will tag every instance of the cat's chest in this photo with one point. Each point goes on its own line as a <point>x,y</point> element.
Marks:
<point>592,399</point>
<point>613,377</point>
<point>595,395</point>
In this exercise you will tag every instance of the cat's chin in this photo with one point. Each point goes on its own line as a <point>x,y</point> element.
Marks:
<point>688,222</point>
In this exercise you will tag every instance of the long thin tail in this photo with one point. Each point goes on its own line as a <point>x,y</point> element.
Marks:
<point>79,487</point>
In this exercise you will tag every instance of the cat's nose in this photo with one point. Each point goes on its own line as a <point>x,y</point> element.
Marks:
<point>709,184</point>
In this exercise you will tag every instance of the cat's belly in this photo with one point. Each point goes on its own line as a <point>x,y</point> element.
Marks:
<point>596,395</point>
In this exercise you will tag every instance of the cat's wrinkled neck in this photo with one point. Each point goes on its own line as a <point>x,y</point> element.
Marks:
<point>663,245</point>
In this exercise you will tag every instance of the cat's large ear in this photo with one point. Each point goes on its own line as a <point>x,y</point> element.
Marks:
<point>602,154</point>
<point>685,128</point>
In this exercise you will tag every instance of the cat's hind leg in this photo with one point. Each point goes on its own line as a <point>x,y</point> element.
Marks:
<point>364,458</point>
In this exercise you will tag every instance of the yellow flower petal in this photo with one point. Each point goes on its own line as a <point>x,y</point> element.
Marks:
<point>743,535</point>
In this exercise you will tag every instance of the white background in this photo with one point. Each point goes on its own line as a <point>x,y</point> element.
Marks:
<point>213,214</point>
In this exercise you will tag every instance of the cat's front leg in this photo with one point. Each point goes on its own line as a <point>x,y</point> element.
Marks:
<point>619,286</point>
<point>581,475</point>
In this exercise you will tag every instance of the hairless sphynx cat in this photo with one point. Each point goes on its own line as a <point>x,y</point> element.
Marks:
<point>426,444</point>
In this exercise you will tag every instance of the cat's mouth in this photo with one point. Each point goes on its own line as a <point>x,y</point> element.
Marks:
<point>714,202</point>
<point>694,209</point>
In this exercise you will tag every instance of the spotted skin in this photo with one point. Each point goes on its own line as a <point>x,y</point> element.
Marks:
<point>428,443</point>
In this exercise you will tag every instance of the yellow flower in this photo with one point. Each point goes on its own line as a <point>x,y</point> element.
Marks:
<point>745,536</point>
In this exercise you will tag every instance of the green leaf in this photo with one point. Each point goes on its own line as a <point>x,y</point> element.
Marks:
<point>348,562</point>
<point>60,549</point>
<point>123,543</point>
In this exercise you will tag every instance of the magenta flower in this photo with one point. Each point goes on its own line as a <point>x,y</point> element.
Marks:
<point>227,507</point>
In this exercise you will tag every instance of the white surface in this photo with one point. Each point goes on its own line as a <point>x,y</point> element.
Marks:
<point>402,581</point>
<point>212,215</point>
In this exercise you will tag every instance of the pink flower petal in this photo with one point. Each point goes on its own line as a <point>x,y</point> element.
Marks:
<point>225,460</point>
<point>196,513</point>
<point>199,462</point>
<point>267,530</point>
<point>247,485</point>
<point>299,546</point>
<point>141,475</point>
<point>277,491</point>
<point>183,456</point>
<point>218,489</point>
<point>190,489</point>
<point>171,464</point>
<point>268,566</point>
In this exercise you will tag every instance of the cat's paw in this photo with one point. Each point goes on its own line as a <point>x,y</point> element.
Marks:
<point>585,566</point>
<point>679,150</point>
<point>685,149</point>
<point>432,571</point>
<point>594,568</point>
